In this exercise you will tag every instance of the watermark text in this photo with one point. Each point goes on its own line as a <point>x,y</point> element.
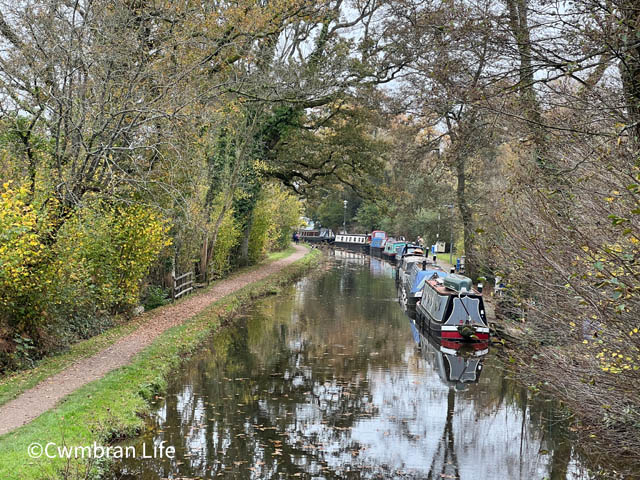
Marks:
<point>53,450</point>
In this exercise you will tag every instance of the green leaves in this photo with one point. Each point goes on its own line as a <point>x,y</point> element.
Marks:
<point>616,220</point>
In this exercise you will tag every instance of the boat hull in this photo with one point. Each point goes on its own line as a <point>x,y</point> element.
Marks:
<point>354,247</point>
<point>318,240</point>
<point>388,257</point>
<point>473,333</point>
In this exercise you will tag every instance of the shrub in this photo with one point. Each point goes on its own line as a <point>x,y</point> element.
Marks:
<point>22,255</point>
<point>110,249</point>
<point>275,216</point>
<point>228,237</point>
<point>154,297</point>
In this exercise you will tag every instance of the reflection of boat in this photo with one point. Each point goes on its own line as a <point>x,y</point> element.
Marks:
<point>451,308</point>
<point>455,362</point>
<point>379,268</point>
<point>357,257</point>
<point>353,241</point>
<point>378,242</point>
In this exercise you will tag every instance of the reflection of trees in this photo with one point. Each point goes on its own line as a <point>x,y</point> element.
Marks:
<point>448,467</point>
<point>289,388</point>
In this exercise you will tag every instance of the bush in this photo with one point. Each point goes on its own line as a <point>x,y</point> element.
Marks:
<point>228,237</point>
<point>155,297</point>
<point>109,249</point>
<point>58,285</point>
<point>275,216</point>
<point>22,256</point>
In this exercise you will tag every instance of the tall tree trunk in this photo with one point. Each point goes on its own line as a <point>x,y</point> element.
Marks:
<point>240,158</point>
<point>519,24</point>
<point>465,214</point>
<point>630,64</point>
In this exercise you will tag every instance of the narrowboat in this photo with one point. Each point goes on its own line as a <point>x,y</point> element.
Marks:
<point>398,247</point>
<point>409,250</point>
<point>323,235</point>
<point>378,242</point>
<point>352,241</point>
<point>388,249</point>
<point>453,309</point>
<point>415,276</point>
<point>392,250</point>
<point>404,266</point>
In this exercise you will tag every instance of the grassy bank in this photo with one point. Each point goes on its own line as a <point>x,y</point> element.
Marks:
<point>113,406</point>
<point>14,384</point>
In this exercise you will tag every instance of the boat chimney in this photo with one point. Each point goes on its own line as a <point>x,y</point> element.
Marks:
<point>424,265</point>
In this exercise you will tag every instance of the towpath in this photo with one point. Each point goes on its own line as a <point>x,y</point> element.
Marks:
<point>34,402</point>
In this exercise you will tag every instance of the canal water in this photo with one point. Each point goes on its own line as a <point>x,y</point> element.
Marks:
<point>330,380</point>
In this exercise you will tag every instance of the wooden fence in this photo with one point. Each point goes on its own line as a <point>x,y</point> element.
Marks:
<point>182,285</point>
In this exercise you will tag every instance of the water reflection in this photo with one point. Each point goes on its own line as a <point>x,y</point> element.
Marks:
<point>326,381</point>
<point>456,363</point>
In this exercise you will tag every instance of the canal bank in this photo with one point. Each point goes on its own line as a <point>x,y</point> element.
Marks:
<point>329,380</point>
<point>113,406</point>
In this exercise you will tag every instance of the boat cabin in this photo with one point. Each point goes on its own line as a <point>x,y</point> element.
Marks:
<point>378,242</point>
<point>453,308</point>
<point>323,235</point>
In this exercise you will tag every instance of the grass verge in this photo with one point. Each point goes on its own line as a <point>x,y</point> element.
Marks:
<point>113,407</point>
<point>14,384</point>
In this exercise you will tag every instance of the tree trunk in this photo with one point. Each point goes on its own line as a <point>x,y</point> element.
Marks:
<point>204,258</point>
<point>466,215</point>
<point>519,24</point>
<point>630,65</point>
<point>244,247</point>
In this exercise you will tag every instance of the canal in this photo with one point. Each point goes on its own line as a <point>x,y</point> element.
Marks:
<point>330,380</point>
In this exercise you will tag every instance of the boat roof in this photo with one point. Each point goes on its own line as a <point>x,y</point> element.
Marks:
<point>411,259</point>
<point>378,242</point>
<point>423,275</point>
<point>442,290</point>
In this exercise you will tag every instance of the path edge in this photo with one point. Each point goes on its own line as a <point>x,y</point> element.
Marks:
<point>14,385</point>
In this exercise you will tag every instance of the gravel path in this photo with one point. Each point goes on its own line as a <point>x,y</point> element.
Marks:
<point>44,396</point>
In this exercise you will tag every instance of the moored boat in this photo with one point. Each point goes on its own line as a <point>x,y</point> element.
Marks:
<point>404,266</point>
<point>416,275</point>
<point>453,309</point>
<point>378,242</point>
<point>388,249</point>
<point>323,235</point>
<point>398,247</point>
<point>352,241</point>
<point>411,249</point>
<point>393,249</point>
